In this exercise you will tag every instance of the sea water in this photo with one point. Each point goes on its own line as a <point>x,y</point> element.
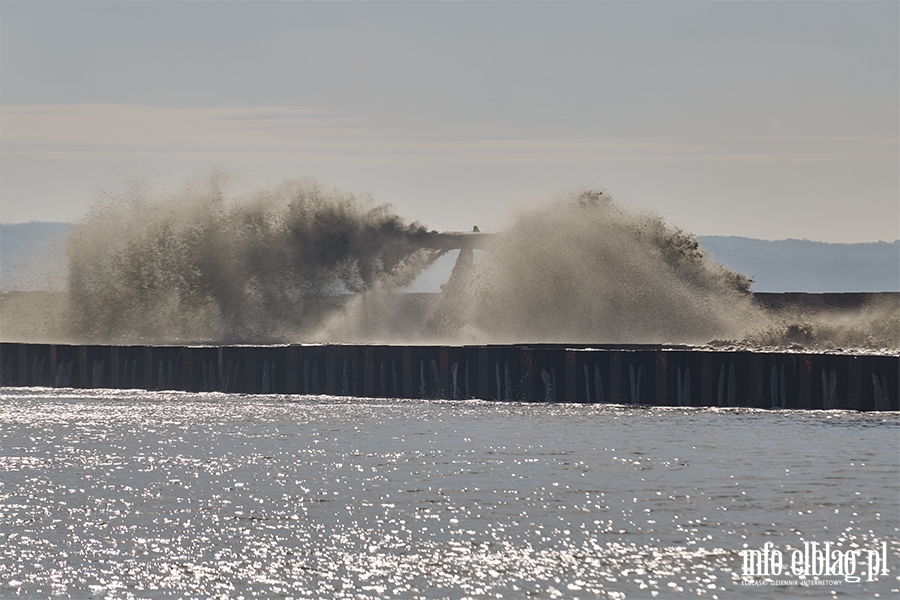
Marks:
<point>127,494</point>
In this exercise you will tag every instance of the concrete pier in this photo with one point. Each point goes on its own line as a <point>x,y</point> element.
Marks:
<point>639,374</point>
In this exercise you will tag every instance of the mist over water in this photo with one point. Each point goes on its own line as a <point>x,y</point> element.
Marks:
<point>302,262</point>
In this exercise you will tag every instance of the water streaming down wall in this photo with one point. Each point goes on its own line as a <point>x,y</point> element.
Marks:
<point>636,375</point>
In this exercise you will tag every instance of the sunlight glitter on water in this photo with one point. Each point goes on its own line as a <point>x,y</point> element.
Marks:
<point>137,494</point>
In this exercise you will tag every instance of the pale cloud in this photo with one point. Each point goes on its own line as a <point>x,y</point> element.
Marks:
<point>746,118</point>
<point>313,136</point>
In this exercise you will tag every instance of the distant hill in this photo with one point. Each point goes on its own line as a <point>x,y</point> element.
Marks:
<point>21,238</point>
<point>32,256</point>
<point>806,266</point>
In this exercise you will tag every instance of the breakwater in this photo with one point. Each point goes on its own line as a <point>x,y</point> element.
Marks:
<point>621,374</point>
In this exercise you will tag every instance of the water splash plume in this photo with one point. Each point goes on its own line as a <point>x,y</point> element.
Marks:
<point>302,262</point>
<point>585,269</point>
<point>196,266</point>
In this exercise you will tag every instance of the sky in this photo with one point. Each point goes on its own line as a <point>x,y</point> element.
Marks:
<point>771,120</point>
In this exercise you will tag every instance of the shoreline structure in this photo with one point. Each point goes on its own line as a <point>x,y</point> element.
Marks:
<point>639,374</point>
<point>791,374</point>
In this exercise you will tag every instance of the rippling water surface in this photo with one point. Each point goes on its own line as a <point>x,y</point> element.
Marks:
<point>155,494</point>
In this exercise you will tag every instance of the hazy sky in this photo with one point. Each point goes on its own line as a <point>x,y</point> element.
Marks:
<point>763,119</point>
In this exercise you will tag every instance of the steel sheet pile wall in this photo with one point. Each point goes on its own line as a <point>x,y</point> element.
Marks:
<point>649,375</point>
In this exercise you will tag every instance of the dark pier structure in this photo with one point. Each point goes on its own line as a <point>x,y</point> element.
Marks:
<point>622,374</point>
